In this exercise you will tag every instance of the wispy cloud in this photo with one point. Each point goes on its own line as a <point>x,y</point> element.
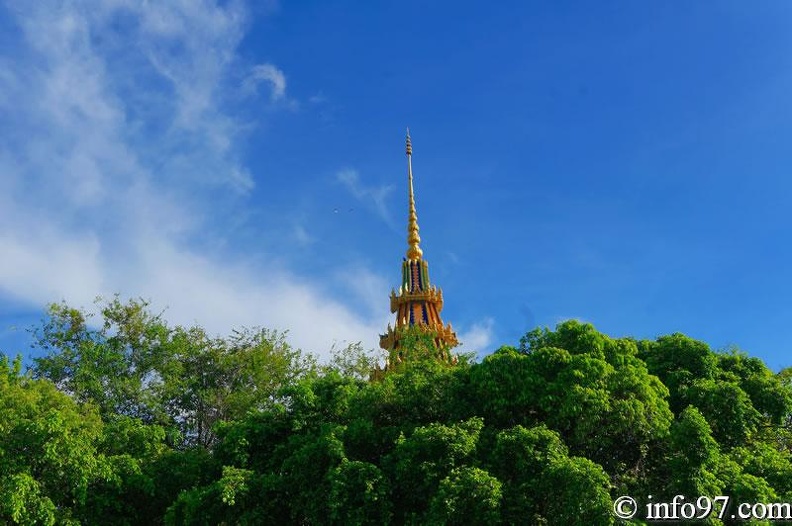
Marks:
<point>119,160</point>
<point>478,338</point>
<point>368,288</point>
<point>301,235</point>
<point>270,74</point>
<point>372,196</point>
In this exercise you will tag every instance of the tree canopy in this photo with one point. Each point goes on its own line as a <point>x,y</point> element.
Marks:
<point>124,419</point>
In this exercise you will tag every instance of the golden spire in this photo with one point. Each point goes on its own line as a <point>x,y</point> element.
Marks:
<point>417,305</point>
<point>414,251</point>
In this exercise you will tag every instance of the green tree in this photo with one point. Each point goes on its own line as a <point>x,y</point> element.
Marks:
<point>419,462</point>
<point>543,485</point>
<point>108,366</point>
<point>359,494</point>
<point>599,396</point>
<point>48,451</point>
<point>769,394</point>
<point>678,361</point>
<point>693,457</point>
<point>767,462</point>
<point>468,495</point>
<point>727,408</point>
<point>352,361</point>
<point>133,364</point>
<point>130,421</point>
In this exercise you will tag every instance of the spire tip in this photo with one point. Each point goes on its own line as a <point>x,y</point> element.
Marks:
<point>414,251</point>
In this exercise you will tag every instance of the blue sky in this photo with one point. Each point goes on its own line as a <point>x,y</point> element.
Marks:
<point>623,163</point>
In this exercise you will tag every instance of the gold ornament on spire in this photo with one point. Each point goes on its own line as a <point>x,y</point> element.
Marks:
<point>414,251</point>
<point>418,303</point>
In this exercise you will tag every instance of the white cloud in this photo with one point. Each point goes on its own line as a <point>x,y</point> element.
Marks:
<point>45,268</point>
<point>195,289</point>
<point>478,337</point>
<point>271,74</point>
<point>369,289</point>
<point>116,140</point>
<point>369,195</point>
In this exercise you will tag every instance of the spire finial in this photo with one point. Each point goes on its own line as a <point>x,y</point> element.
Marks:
<point>414,251</point>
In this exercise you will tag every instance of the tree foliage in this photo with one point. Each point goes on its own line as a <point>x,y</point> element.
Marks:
<point>127,420</point>
<point>134,364</point>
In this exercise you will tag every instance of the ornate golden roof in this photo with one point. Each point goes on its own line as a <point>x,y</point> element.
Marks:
<point>417,304</point>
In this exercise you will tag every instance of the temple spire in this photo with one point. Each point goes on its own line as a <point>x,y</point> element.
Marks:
<point>414,251</point>
<point>418,303</point>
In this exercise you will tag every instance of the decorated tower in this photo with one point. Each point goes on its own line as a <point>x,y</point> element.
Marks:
<point>417,304</point>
